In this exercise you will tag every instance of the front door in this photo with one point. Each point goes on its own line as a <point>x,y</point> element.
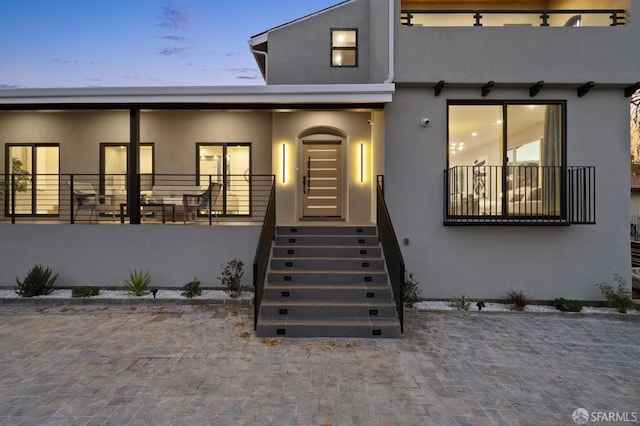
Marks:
<point>322,179</point>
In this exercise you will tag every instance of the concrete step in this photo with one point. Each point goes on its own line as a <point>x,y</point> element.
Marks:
<point>275,292</point>
<point>326,240</point>
<point>320,277</point>
<point>326,230</point>
<point>327,251</point>
<point>327,264</point>
<point>335,327</point>
<point>327,309</point>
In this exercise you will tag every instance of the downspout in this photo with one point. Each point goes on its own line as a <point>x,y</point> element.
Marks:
<point>266,61</point>
<point>391,38</point>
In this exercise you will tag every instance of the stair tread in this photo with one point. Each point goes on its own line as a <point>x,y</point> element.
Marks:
<point>329,302</point>
<point>338,321</point>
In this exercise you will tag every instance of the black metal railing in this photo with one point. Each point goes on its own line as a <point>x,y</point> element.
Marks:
<point>96,198</point>
<point>263,252</point>
<point>392,254</point>
<point>495,17</point>
<point>519,195</point>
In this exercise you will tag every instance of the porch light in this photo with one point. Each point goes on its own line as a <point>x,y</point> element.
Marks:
<point>284,162</point>
<point>361,162</point>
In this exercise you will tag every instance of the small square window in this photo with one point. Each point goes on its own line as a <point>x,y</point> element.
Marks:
<point>344,48</point>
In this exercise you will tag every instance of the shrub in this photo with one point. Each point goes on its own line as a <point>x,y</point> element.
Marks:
<point>410,291</point>
<point>191,289</point>
<point>138,283</point>
<point>518,300</point>
<point>567,305</point>
<point>85,291</point>
<point>461,303</point>
<point>232,277</point>
<point>38,282</point>
<point>619,299</point>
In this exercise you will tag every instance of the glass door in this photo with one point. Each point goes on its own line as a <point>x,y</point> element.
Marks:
<point>114,160</point>
<point>35,169</point>
<point>230,165</point>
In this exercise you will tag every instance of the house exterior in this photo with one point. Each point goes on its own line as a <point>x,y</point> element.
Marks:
<point>500,129</point>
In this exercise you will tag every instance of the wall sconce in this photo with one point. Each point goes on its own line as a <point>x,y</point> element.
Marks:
<point>361,163</point>
<point>284,162</point>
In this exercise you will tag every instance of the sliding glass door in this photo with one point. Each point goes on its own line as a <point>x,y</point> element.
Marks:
<point>36,182</point>
<point>230,165</point>
<point>114,160</point>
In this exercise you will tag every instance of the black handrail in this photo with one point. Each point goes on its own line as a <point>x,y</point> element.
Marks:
<point>263,252</point>
<point>617,16</point>
<point>392,254</point>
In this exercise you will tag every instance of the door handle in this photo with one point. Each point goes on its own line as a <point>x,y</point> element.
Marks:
<point>304,184</point>
<point>309,174</point>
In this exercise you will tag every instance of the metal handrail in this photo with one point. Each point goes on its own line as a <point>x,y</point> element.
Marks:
<point>391,248</point>
<point>263,253</point>
<point>617,16</point>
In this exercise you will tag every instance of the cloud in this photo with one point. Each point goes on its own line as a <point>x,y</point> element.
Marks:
<point>177,39</point>
<point>227,54</point>
<point>173,18</point>
<point>246,77</point>
<point>172,51</point>
<point>73,62</point>
<point>10,86</point>
<point>245,73</point>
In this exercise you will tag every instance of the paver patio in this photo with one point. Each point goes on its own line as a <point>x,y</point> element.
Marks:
<point>191,365</point>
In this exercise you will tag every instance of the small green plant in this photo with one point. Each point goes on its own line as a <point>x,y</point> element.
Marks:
<point>461,303</point>
<point>231,277</point>
<point>620,299</point>
<point>567,305</point>
<point>410,291</point>
<point>191,289</point>
<point>85,291</point>
<point>138,283</point>
<point>38,282</point>
<point>518,300</point>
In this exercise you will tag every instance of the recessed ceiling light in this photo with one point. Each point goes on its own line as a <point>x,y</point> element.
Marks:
<point>474,134</point>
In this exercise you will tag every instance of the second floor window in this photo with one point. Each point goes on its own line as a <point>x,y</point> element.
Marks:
<point>344,47</point>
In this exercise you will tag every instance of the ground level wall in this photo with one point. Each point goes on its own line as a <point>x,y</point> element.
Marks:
<point>103,255</point>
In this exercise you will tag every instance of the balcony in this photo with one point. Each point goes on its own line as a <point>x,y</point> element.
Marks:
<point>514,17</point>
<point>534,195</point>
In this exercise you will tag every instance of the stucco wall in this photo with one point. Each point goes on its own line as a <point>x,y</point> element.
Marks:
<point>518,54</point>
<point>546,262</point>
<point>104,255</point>
<point>300,53</point>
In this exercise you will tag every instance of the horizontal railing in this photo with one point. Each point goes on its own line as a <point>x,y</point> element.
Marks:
<point>527,195</point>
<point>492,17</point>
<point>94,198</point>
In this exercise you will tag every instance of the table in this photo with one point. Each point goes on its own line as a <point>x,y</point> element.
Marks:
<point>161,205</point>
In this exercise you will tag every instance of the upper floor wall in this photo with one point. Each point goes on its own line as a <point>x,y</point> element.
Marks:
<point>514,47</point>
<point>304,51</point>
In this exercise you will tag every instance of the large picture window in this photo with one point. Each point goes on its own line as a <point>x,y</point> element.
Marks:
<point>506,159</point>
<point>230,165</point>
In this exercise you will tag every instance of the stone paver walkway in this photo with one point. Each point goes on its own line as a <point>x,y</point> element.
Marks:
<point>200,365</point>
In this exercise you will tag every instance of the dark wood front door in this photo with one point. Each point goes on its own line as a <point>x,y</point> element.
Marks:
<point>322,179</point>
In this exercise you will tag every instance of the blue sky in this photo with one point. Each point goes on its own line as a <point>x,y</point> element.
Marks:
<point>85,43</point>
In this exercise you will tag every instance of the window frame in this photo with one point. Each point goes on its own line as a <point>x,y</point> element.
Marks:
<point>343,49</point>
<point>504,216</point>
<point>225,175</point>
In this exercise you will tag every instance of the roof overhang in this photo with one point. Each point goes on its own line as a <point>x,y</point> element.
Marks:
<point>232,96</point>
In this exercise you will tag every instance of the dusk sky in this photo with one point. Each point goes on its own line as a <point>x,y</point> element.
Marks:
<point>86,43</point>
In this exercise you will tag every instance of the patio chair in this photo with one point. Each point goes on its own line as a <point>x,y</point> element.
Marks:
<point>194,203</point>
<point>85,198</point>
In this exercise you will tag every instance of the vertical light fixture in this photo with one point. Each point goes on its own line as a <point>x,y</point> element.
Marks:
<point>361,162</point>
<point>284,162</point>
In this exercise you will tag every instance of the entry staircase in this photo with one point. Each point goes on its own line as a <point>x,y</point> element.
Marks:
<point>327,281</point>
